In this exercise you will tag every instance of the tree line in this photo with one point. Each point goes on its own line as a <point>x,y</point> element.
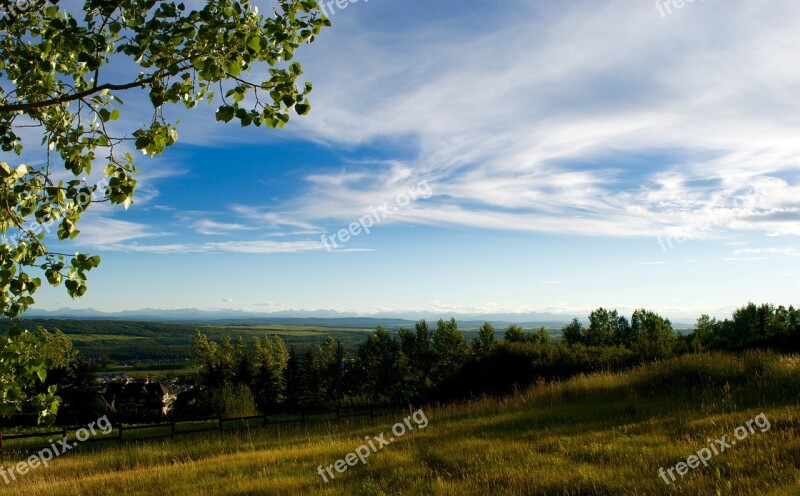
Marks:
<point>424,363</point>
<point>435,363</point>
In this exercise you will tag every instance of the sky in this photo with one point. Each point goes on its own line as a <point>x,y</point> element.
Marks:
<point>510,156</point>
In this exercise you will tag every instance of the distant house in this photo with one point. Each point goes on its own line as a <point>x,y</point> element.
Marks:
<point>138,398</point>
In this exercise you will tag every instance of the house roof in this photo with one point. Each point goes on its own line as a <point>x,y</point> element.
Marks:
<point>152,391</point>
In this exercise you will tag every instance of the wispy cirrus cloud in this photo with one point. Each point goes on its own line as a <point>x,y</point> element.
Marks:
<point>97,230</point>
<point>785,251</point>
<point>666,127</point>
<point>657,129</point>
<point>211,228</point>
<point>251,247</point>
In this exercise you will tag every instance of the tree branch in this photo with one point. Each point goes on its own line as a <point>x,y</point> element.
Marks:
<point>81,94</point>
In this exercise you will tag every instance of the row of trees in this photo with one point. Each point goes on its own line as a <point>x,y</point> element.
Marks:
<point>439,363</point>
<point>262,366</point>
<point>751,326</point>
<point>646,333</point>
<point>386,367</point>
<point>423,363</point>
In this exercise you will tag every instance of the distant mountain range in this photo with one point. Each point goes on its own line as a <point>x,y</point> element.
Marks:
<point>293,317</point>
<point>327,318</point>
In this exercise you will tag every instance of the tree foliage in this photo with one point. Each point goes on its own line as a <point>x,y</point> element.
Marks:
<point>573,332</point>
<point>750,326</point>
<point>417,347</point>
<point>514,334</point>
<point>269,367</point>
<point>62,76</point>
<point>448,349</point>
<point>606,328</point>
<point>485,341</point>
<point>652,334</point>
<point>24,361</point>
<point>73,376</point>
<point>383,367</point>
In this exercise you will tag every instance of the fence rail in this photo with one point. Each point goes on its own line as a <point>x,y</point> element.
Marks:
<point>266,419</point>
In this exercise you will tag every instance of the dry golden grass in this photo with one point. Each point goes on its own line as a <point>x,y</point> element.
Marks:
<point>598,434</point>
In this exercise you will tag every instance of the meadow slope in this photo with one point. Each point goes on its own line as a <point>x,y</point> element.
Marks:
<point>598,434</point>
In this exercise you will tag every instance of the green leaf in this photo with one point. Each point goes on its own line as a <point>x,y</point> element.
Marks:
<point>302,108</point>
<point>234,68</point>
<point>225,113</point>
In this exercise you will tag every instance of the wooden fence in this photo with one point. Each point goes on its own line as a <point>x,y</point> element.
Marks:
<point>274,418</point>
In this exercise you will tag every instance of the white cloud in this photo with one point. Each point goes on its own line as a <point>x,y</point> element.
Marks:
<point>251,247</point>
<point>786,251</point>
<point>98,230</point>
<point>272,219</point>
<point>597,118</point>
<point>210,227</point>
<point>532,126</point>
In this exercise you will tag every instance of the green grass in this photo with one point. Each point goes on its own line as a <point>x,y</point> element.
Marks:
<point>599,434</point>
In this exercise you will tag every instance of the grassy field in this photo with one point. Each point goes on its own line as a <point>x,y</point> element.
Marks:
<point>598,434</point>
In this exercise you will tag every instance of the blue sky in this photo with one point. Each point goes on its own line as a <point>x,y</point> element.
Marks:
<point>578,154</point>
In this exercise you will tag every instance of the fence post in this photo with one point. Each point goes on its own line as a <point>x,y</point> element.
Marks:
<point>120,431</point>
<point>173,429</point>
<point>372,411</point>
<point>266,421</point>
<point>64,433</point>
<point>220,423</point>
